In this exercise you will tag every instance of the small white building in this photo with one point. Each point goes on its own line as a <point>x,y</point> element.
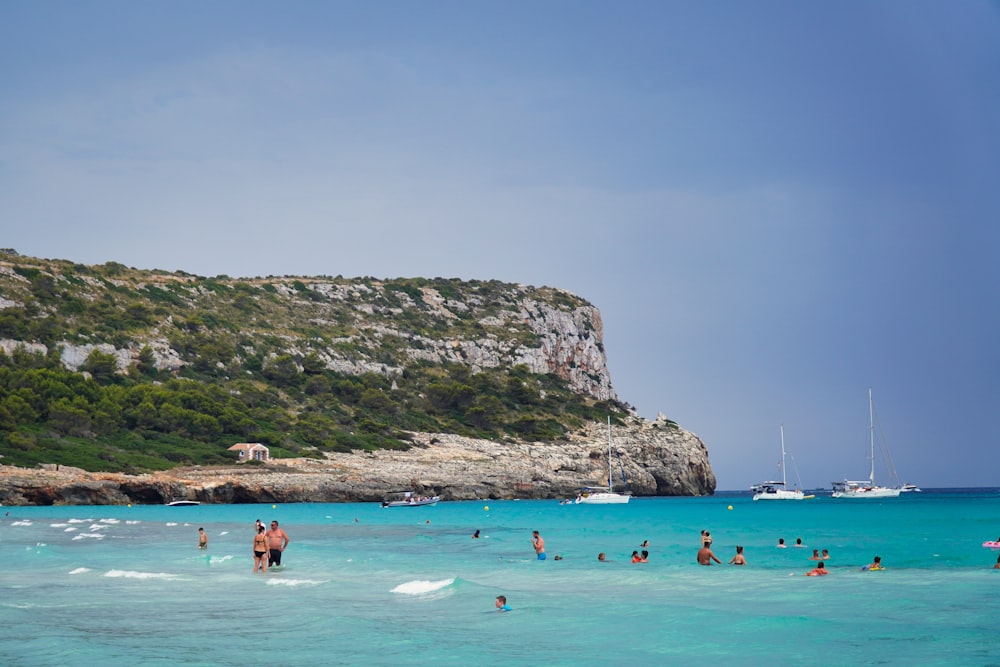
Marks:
<point>251,451</point>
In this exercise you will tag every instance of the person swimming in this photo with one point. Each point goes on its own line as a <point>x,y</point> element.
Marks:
<point>818,571</point>
<point>876,564</point>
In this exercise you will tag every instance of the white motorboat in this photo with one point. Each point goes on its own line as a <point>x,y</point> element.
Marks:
<point>411,499</point>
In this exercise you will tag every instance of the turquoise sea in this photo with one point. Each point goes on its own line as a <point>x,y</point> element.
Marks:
<point>363,585</point>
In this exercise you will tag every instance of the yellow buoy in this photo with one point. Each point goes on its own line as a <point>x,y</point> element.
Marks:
<point>274,507</point>
<point>486,508</point>
<point>730,507</point>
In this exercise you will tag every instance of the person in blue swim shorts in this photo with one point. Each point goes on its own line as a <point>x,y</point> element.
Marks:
<point>539,544</point>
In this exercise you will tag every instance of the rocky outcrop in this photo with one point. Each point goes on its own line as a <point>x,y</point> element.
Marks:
<point>366,325</point>
<point>296,337</point>
<point>658,458</point>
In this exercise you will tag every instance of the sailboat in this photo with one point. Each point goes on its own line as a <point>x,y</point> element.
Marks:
<point>775,490</point>
<point>866,488</point>
<point>598,495</point>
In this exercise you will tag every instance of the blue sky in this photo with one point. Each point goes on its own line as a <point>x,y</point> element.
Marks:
<point>775,205</point>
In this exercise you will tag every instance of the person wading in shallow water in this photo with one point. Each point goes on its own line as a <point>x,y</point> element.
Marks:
<point>738,559</point>
<point>705,555</point>
<point>277,541</point>
<point>260,550</point>
<point>539,544</point>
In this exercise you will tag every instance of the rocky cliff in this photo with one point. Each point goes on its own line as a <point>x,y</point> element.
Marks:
<point>658,458</point>
<point>350,326</point>
<point>335,375</point>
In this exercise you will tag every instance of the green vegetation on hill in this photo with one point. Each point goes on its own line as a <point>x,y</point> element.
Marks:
<point>255,366</point>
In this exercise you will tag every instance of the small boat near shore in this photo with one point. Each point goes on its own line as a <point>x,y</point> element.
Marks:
<point>182,502</point>
<point>411,499</point>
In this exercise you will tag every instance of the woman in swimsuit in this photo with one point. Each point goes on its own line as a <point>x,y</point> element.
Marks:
<point>260,550</point>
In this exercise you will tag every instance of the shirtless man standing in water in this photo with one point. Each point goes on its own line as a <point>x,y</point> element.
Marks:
<point>539,544</point>
<point>277,540</point>
<point>705,555</point>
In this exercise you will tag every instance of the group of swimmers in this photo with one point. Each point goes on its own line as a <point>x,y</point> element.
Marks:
<point>268,546</point>
<point>705,555</point>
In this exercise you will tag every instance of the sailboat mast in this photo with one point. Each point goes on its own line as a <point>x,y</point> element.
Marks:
<point>783,480</point>
<point>609,454</point>
<point>871,436</point>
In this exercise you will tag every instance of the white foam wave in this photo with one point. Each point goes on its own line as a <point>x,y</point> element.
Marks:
<point>109,520</point>
<point>98,526</point>
<point>71,529</point>
<point>132,574</point>
<point>80,570</point>
<point>132,521</point>
<point>80,520</point>
<point>21,523</point>
<point>225,532</point>
<point>172,523</point>
<point>219,559</point>
<point>294,582</point>
<point>58,525</point>
<point>83,536</point>
<point>419,587</point>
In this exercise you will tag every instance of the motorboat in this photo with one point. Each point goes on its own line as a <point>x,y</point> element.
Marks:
<point>411,499</point>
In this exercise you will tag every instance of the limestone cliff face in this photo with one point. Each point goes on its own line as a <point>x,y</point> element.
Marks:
<point>658,457</point>
<point>368,325</point>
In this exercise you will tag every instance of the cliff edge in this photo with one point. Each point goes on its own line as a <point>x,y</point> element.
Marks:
<point>658,458</point>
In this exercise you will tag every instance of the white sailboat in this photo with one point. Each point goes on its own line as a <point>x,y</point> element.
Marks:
<point>775,490</point>
<point>598,495</point>
<point>866,488</point>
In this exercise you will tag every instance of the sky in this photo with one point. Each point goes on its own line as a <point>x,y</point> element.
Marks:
<point>776,205</point>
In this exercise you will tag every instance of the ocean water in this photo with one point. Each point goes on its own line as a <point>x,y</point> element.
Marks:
<point>363,585</point>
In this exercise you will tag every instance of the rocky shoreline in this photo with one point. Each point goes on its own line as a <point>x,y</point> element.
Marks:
<point>659,459</point>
